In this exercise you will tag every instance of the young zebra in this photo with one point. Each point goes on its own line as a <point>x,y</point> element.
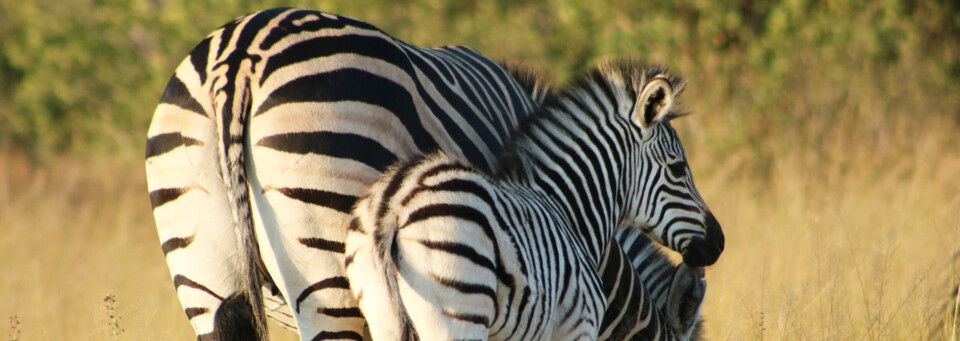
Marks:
<point>648,296</point>
<point>633,312</point>
<point>439,250</point>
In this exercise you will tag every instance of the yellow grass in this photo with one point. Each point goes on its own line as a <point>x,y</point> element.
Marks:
<point>845,242</point>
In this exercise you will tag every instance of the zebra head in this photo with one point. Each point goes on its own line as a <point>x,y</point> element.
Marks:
<point>668,208</point>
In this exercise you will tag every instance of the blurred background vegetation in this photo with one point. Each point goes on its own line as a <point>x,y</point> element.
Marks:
<point>86,74</point>
<point>825,135</point>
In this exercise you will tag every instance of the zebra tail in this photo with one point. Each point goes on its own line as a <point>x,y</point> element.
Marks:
<point>371,265</point>
<point>385,262</point>
<point>250,315</point>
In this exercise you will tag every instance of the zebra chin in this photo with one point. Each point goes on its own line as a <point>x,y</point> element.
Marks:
<point>704,251</point>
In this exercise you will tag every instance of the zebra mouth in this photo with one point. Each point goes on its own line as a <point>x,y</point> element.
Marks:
<point>704,251</point>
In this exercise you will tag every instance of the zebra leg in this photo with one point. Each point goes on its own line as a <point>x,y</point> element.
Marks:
<point>301,208</point>
<point>685,299</point>
<point>193,216</point>
<point>676,291</point>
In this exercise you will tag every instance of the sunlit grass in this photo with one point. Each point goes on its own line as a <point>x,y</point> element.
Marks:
<point>823,252</point>
<point>816,251</point>
<point>842,227</point>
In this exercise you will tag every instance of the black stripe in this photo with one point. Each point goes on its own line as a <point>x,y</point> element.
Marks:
<point>329,283</point>
<point>448,210</point>
<point>176,243</point>
<point>472,318</point>
<point>211,336</point>
<point>355,85</point>
<point>177,94</point>
<point>460,185</point>
<point>226,35</point>
<point>181,280</point>
<point>163,143</point>
<point>392,187</point>
<point>323,244</point>
<point>466,288</point>
<point>446,186</point>
<point>199,56</point>
<point>195,311</point>
<point>340,312</point>
<point>674,205</point>
<point>164,195</point>
<point>286,27</point>
<point>335,201</point>
<point>341,335</point>
<point>339,145</point>
<point>377,47</point>
<point>354,225</point>
<point>462,250</point>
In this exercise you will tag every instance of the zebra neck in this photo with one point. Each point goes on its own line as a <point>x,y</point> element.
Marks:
<point>572,161</point>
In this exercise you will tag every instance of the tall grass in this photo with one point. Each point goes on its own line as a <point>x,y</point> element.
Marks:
<point>856,247</point>
<point>73,232</point>
<point>828,254</point>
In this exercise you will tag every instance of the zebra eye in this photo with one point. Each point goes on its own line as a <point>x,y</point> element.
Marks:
<point>677,169</point>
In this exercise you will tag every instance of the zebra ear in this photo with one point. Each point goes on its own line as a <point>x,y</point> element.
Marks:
<point>654,102</point>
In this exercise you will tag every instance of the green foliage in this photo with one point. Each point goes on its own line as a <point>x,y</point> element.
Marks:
<point>86,74</point>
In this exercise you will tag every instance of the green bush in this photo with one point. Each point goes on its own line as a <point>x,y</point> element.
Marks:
<point>85,75</point>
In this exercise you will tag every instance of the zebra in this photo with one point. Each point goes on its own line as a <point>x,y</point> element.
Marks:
<point>648,296</point>
<point>277,122</point>
<point>676,290</point>
<point>441,250</point>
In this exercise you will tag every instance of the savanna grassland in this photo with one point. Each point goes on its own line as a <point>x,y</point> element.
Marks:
<point>824,135</point>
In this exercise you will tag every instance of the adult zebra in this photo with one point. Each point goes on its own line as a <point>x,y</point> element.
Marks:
<point>280,119</point>
<point>439,250</point>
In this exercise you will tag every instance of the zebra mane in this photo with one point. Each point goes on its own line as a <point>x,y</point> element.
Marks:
<point>533,82</point>
<point>626,74</point>
<point>621,78</point>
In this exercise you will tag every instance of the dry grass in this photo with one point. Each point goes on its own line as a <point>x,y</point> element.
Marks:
<point>847,242</point>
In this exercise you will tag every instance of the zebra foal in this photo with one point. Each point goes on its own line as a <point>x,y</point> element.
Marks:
<point>648,296</point>
<point>440,250</point>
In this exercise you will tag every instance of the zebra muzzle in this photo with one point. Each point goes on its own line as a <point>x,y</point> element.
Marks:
<point>704,251</point>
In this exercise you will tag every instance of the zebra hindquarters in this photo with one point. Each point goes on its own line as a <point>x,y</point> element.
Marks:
<point>301,206</point>
<point>194,217</point>
<point>419,270</point>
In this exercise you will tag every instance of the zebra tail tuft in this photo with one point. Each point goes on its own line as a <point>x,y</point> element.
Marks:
<point>231,118</point>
